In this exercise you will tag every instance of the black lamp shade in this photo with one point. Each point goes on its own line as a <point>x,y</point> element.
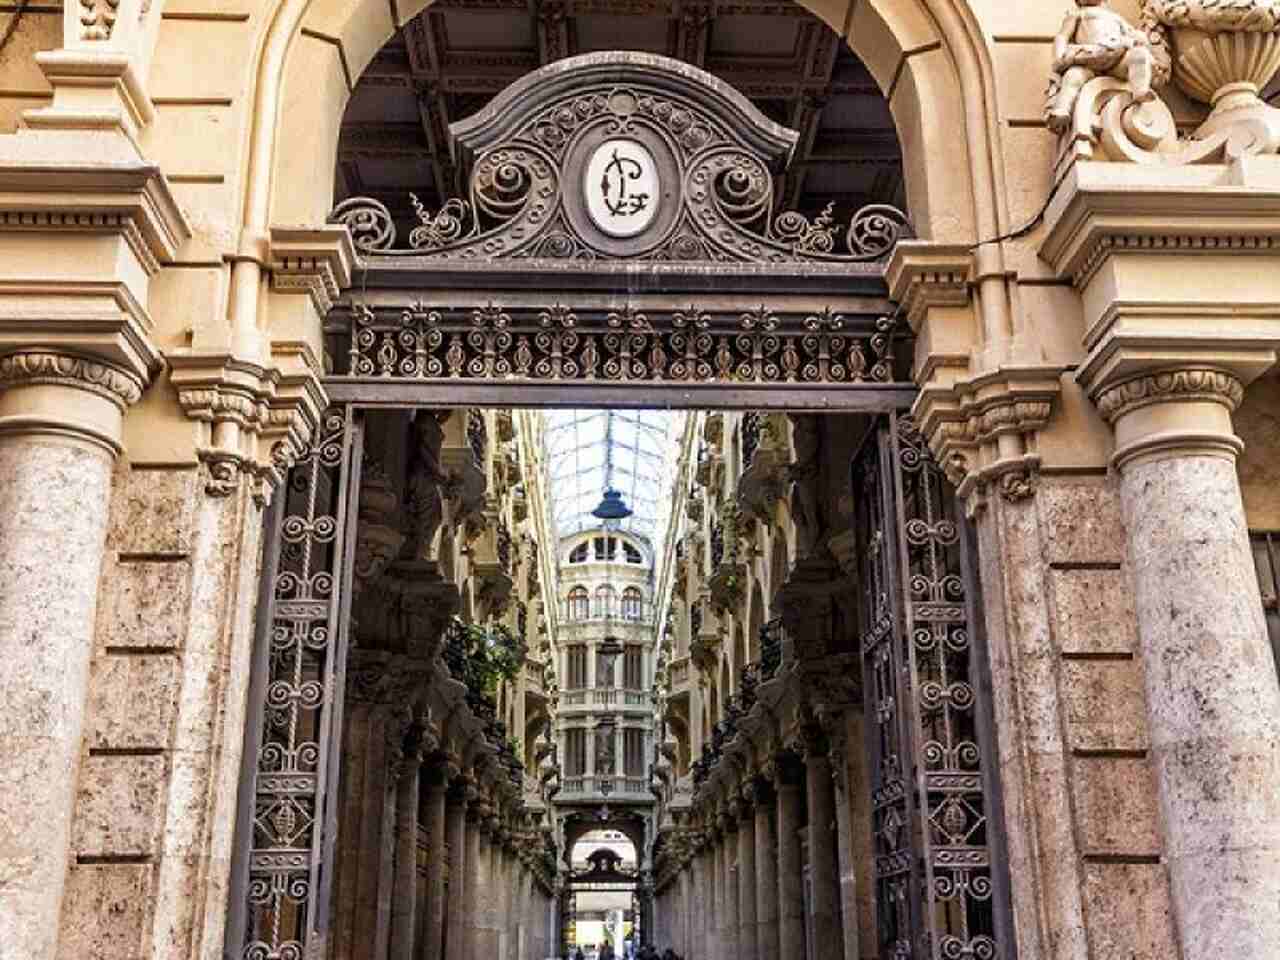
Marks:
<point>611,507</point>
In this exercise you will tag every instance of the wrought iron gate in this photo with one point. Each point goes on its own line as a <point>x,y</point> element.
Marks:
<point>937,867</point>
<point>282,875</point>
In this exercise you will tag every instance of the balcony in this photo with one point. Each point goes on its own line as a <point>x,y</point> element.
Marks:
<point>622,789</point>
<point>681,673</point>
<point>608,698</point>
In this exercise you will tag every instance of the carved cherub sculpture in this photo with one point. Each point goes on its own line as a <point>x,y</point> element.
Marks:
<point>1096,41</point>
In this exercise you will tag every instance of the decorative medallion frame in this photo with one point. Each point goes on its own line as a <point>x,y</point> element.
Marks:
<point>708,298</point>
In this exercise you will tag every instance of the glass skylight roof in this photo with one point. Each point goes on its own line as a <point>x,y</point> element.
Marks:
<point>633,451</point>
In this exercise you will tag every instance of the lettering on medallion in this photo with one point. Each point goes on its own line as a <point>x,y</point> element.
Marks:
<point>621,187</point>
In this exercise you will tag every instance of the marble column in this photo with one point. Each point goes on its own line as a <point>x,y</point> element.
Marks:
<point>748,944</point>
<point>766,864</point>
<point>729,944</point>
<point>824,874</point>
<point>435,818</point>
<point>790,802</point>
<point>1213,702</point>
<point>404,888</point>
<point>457,830</point>
<point>59,432</point>
<point>703,901</point>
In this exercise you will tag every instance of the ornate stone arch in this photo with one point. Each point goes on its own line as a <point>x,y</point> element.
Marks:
<point>928,56</point>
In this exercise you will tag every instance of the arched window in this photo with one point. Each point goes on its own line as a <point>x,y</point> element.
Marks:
<point>631,554</point>
<point>606,599</point>
<point>632,603</point>
<point>579,604</point>
<point>579,553</point>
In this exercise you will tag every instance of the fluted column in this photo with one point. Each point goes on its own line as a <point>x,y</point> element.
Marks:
<point>748,943</point>
<point>435,820</point>
<point>766,865</point>
<point>1213,703</point>
<point>824,878</point>
<point>790,802</point>
<point>458,831</point>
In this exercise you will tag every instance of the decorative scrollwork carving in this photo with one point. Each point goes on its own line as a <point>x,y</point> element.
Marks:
<point>719,203</point>
<point>559,343</point>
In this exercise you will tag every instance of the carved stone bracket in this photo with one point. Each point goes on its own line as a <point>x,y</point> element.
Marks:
<point>253,419</point>
<point>316,261</point>
<point>984,430</point>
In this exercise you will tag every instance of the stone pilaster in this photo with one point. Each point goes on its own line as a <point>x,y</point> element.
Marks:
<point>824,878</point>
<point>766,864</point>
<point>457,830</point>
<point>790,805</point>
<point>435,819</point>
<point>729,865</point>
<point>748,935</point>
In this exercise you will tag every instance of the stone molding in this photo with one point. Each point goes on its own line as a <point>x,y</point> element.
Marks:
<point>256,419</point>
<point>966,423</point>
<point>118,102</point>
<point>42,367</point>
<point>1207,385</point>
<point>314,260</point>
<point>1102,210</point>
<point>923,275</point>
<point>132,200</point>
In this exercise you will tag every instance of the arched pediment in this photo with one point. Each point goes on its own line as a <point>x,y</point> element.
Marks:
<point>622,156</point>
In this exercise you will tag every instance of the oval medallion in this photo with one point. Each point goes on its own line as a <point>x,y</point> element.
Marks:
<point>621,187</point>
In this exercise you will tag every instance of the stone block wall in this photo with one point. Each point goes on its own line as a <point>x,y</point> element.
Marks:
<point>155,801</point>
<point>1081,802</point>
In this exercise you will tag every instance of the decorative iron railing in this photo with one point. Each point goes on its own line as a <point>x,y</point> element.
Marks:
<point>562,343</point>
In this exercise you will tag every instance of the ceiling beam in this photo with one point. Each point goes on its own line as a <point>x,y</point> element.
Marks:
<point>425,69</point>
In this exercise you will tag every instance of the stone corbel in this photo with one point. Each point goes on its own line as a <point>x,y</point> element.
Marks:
<point>255,420</point>
<point>982,427</point>
<point>984,430</point>
<point>316,261</point>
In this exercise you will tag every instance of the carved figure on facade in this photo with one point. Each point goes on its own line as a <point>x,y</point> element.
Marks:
<point>1104,91</point>
<point>1096,41</point>
<point>805,484</point>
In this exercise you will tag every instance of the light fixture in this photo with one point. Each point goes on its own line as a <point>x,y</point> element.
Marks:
<point>612,508</point>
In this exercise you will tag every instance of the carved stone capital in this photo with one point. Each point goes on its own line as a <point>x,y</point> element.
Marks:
<point>253,419</point>
<point>28,367</point>
<point>984,430</point>
<point>50,392</point>
<point>1207,385</point>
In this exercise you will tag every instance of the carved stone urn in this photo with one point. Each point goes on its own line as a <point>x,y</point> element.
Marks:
<point>1224,53</point>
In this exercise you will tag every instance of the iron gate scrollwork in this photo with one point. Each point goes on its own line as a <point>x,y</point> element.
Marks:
<point>288,818</point>
<point>933,827</point>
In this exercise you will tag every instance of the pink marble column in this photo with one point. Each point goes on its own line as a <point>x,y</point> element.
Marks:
<point>824,874</point>
<point>766,864</point>
<point>748,945</point>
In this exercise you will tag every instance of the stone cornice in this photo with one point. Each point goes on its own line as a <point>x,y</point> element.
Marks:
<point>129,199</point>
<point>313,260</point>
<point>921,275</point>
<point>1104,209</point>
